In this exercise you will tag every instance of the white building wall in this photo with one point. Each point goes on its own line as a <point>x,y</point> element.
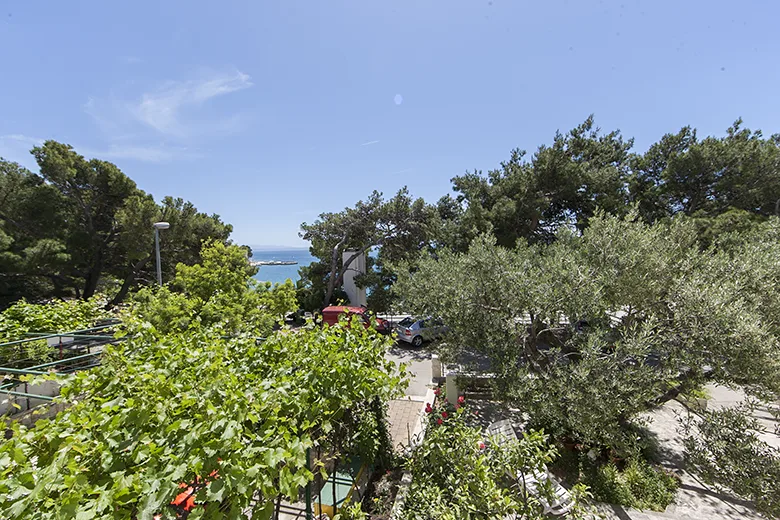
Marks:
<point>356,296</point>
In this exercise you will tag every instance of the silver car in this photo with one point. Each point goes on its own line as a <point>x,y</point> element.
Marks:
<point>416,331</point>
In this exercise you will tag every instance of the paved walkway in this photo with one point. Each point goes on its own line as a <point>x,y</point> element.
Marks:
<point>405,417</point>
<point>695,500</point>
<point>418,363</point>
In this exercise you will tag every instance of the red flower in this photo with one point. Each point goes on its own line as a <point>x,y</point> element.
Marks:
<point>185,500</point>
<point>436,391</point>
<point>444,415</point>
<point>482,445</point>
<point>428,408</point>
<point>439,421</point>
<point>457,406</point>
<point>461,399</point>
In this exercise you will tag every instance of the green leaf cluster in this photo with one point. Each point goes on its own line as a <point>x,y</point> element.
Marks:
<point>235,415</point>
<point>56,316</point>
<point>457,473</point>
<point>219,292</point>
<point>585,333</point>
<point>638,485</point>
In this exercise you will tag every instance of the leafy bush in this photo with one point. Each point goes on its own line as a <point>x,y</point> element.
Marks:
<point>657,308</point>
<point>382,493</point>
<point>457,473</point>
<point>351,512</point>
<point>723,448</point>
<point>166,409</point>
<point>219,292</point>
<point>57,316</point>
<point>638,485</point>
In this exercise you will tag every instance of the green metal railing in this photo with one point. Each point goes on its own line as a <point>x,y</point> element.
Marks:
<point>82,339</point>
<point>69,334</point>
<point>10,376</point>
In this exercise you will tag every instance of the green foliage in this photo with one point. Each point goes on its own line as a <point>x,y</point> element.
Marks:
<point>708,177</point>
<point>312,286</point>
<point>32,247</point>
<point>724,448</point>
<point>79,220</point>
<point>657,309</point>
<point>401,226</point>
<point>351,512</point>
<point>563,184</point>
<point>132,260</point>
<point>382,493</point>
<point>638,485</point>
<point>165,409</point>
<point>56,316</point>
<point>457,473</point>
<point>94,192</point>
<point>367,434</point>
<point>219,291</point>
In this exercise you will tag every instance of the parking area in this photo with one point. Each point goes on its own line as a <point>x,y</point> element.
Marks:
<point>418,362</point>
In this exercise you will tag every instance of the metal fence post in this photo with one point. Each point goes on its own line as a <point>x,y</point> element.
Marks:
<point>308,486</point>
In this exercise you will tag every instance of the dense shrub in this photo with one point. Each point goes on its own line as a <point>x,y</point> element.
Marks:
<point>458,473</point>
<point>161,410</point>
<point>638,485</point>
<point>219,292</point>
<point>57,316</point>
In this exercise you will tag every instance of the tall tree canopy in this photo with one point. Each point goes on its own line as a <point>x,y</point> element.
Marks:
<point>704,178</point>
<point>396,226</point>
<point>562,184</point>
<point>621,311</point>
<point>81,220</point>
<point>94,192</point>
<point>724,184</point>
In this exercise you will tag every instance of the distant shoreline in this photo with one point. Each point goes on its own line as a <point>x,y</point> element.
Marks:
<point>270,249</point>
<point>258,263</point>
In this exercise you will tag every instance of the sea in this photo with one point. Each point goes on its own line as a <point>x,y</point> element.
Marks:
<point>280,273</point>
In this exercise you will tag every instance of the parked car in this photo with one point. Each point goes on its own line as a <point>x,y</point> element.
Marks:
<point>330,315</point>
<point>418,331</point>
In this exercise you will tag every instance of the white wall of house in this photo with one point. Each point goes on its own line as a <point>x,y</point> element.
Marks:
<point>356,296</point>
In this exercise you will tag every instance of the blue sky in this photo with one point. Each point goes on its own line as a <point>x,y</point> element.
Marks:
<point>271,112</point>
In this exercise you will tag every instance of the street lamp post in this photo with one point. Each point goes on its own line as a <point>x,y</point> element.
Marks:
<point>157,227</point>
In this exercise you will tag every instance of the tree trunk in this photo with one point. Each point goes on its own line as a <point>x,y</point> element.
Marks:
<point>129,281</point>
<point>334,262</point>
<point>90,284</point>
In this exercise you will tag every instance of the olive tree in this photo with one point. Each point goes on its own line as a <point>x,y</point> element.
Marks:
<point>585,333</point>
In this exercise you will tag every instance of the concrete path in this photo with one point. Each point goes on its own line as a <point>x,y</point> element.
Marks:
<point>418,361</point>
<point>695,500</point>
<point>407,415</point>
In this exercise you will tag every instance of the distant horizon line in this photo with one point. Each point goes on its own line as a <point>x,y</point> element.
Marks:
<point>272,247</point>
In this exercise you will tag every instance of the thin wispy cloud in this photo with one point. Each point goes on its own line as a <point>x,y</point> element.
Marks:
<point>19,145</point>
<point>162,109</point>
<point>152,153</point>
<point>402,171</point>
<point>25,139</point>
<point>369,143</point>
<point>131,125</point>
<point>16,147</point>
